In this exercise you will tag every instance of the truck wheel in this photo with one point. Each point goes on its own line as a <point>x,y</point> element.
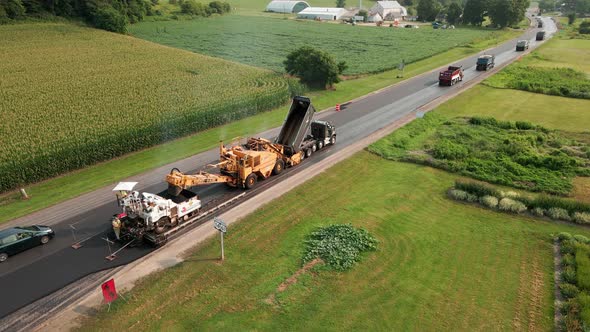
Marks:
<point>314,148</point>
<point>174,222</point>
<point>161,225</point>
<point>279,167</point>
<point>320,145</point>
<point>3,257</point>
<point>250,181</point>
<point>308,153</point>
<point>333,140</point>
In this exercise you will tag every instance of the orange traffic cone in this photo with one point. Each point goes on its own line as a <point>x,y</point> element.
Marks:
<point>337,107</point>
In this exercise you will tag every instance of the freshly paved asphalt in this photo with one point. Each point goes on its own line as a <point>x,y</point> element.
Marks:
<point>40,271</point>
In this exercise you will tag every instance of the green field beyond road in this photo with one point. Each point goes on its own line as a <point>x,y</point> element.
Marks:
<point>265,42</point>
<point>440,265</point>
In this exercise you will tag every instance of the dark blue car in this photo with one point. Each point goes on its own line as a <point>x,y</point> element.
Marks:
<point>17,239</point>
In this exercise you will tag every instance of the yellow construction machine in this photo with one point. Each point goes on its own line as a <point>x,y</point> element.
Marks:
<point>242,165</point>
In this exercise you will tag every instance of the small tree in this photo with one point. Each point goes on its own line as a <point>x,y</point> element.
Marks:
<point>571,18</point>
<point>340,3</point>
<point>108,18</point>
<point>364,14</point>
<point>314,67</point>
<point>428,9</point>
<point>454,13</point>
<point>474,12</point>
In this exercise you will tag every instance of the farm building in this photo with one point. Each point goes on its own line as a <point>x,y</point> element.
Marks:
<point>389,10</point>
<point>282,6</point>
<point>321,13</point>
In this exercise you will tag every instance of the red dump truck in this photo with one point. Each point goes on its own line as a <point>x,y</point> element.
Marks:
<point>452,75</point>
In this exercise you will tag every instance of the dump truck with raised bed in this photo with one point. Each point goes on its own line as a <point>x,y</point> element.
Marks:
<point>485,62</point>
<point>451,75</point>
<point>242,165</point>
<point>144,215</point>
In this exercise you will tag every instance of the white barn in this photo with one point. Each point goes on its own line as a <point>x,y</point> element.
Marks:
<point>285,6</point>
<point>389,10</point>
<point>322,13</point>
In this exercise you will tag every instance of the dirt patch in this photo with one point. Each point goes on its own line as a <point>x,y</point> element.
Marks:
<point>271,299</point>
<point>581,190</point>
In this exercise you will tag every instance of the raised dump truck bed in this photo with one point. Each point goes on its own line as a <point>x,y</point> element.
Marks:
<point>296,125</point>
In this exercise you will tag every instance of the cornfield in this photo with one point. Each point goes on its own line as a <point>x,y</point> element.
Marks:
<point>72,96</point>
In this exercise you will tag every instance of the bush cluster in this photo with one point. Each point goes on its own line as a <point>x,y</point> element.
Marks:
<point>584,27</point>
<point>517,154</point>
<point>198,9</point>
<point>339,246</point>
<point>553,207</point>
<point>575,284</point>
<point>565,82</point>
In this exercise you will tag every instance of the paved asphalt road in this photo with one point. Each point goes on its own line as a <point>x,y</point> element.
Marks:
<point>38,272</point>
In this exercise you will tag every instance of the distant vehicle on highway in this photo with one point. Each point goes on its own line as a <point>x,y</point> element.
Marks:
<point>522,45</point>
<point>540,35</point>
<point>18,239</point>
<point>485,62</point>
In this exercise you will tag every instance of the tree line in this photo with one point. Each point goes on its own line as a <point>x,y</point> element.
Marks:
<point>502,13</point>
<point>111,15</point>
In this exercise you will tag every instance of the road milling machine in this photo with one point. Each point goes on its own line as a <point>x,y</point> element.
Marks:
<point>242,165</point>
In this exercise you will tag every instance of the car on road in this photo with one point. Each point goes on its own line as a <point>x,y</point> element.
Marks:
<point>18,239</point>
<point>485,62</point>
<point>522,45</point>
<point>540,35</point>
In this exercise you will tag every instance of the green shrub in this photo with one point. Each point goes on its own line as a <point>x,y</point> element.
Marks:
<point>108,18</point>
<point>509,194</point>
<point>583,268</point>
<point>547,202</point>
<point>538,212</point>
<point>564,236</point>
<point>14,8</point>
<point>489,201</point>
<point>524,125</point>
<point>445,149</point>
<point>458,195</point>
<point>510,205</point>
<point>568,260</point>
<point>478,189</point>
<point>568,290</point>
<point>569,274</point>
<point>339,246</point>
<point>581,239</point>
<point>194,8</point>
<point>584,301</point>
<point>581,217</point>
<point>558,214</point>
<point>568,247</point>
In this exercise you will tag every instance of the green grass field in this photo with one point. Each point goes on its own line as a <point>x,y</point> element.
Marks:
<point>265,42</point>
<point>439,264</point>
<point>72,96</point>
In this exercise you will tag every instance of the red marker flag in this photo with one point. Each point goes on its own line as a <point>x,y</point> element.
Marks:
<point>109,292</point>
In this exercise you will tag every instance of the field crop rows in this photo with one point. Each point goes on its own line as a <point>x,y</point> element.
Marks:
<point>71,96</point>
<point>265,42</point>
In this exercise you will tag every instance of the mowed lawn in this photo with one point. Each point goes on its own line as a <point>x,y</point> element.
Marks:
<point>265,41</point>
<point>440,265</point>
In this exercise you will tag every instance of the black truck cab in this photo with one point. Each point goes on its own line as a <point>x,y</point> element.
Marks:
<point>485,62</point>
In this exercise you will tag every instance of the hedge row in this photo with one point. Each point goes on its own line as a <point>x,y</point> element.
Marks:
<point>575,281</point>
<point>543,205</point>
